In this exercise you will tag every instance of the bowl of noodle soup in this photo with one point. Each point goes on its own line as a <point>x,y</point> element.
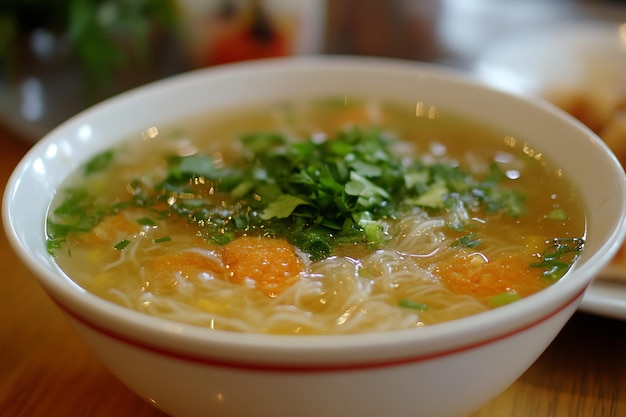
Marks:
<point>317,236</point>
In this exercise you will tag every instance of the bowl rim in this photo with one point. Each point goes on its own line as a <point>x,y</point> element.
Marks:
<point>161,334</point>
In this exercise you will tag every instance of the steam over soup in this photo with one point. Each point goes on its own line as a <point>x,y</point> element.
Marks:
<point>317,217</point>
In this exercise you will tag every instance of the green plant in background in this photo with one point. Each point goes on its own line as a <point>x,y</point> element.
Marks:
<point>101,33</point>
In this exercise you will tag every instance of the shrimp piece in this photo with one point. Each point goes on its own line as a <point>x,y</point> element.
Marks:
<point>271,264</point>
<point>165,272</point>
<point>481,278</point>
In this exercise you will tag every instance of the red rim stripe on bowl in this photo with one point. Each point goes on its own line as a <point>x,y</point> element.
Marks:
<point>303,368</point>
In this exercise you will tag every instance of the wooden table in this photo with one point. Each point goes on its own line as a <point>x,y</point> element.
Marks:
<point>46,370</point>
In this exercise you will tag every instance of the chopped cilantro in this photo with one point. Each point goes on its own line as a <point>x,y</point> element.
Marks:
<point>196,165</point>
<point>434,197</point>
<point>99,162</point>
<point>53,244</point>
<point>282,207</point>
<point>145,221</point>
<point>467,241</point>
<point>77,213</point>
<point>315,193</point>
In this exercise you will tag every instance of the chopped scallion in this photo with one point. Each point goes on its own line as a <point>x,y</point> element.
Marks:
<point>404,303</point>
<point>122,244</point>
<point>145,221</point>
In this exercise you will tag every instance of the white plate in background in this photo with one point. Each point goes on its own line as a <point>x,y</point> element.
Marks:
<point>574,55</point>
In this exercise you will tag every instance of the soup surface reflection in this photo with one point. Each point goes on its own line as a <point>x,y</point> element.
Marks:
<point>317,217</point>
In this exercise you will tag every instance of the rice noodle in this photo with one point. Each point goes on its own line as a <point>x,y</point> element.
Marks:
<point>336,295</point>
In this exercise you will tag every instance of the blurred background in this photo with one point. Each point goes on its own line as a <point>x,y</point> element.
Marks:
<point>58,57</point>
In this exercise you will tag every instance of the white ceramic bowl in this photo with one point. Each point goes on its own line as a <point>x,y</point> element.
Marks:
<point>444,370</point>
<point>557,63</point>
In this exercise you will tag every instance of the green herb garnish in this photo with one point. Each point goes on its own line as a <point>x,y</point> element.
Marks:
<point>122,244</point>
<point>318,193</point>
<point>414,305</point>
<point>557,214</point>
<point>77,213</point>
<point>145,221</point>
<point>503,299</point>
<point>99,162</point>
<point>314,193</point>
<point>468,241</point>
<point>559,256</point>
